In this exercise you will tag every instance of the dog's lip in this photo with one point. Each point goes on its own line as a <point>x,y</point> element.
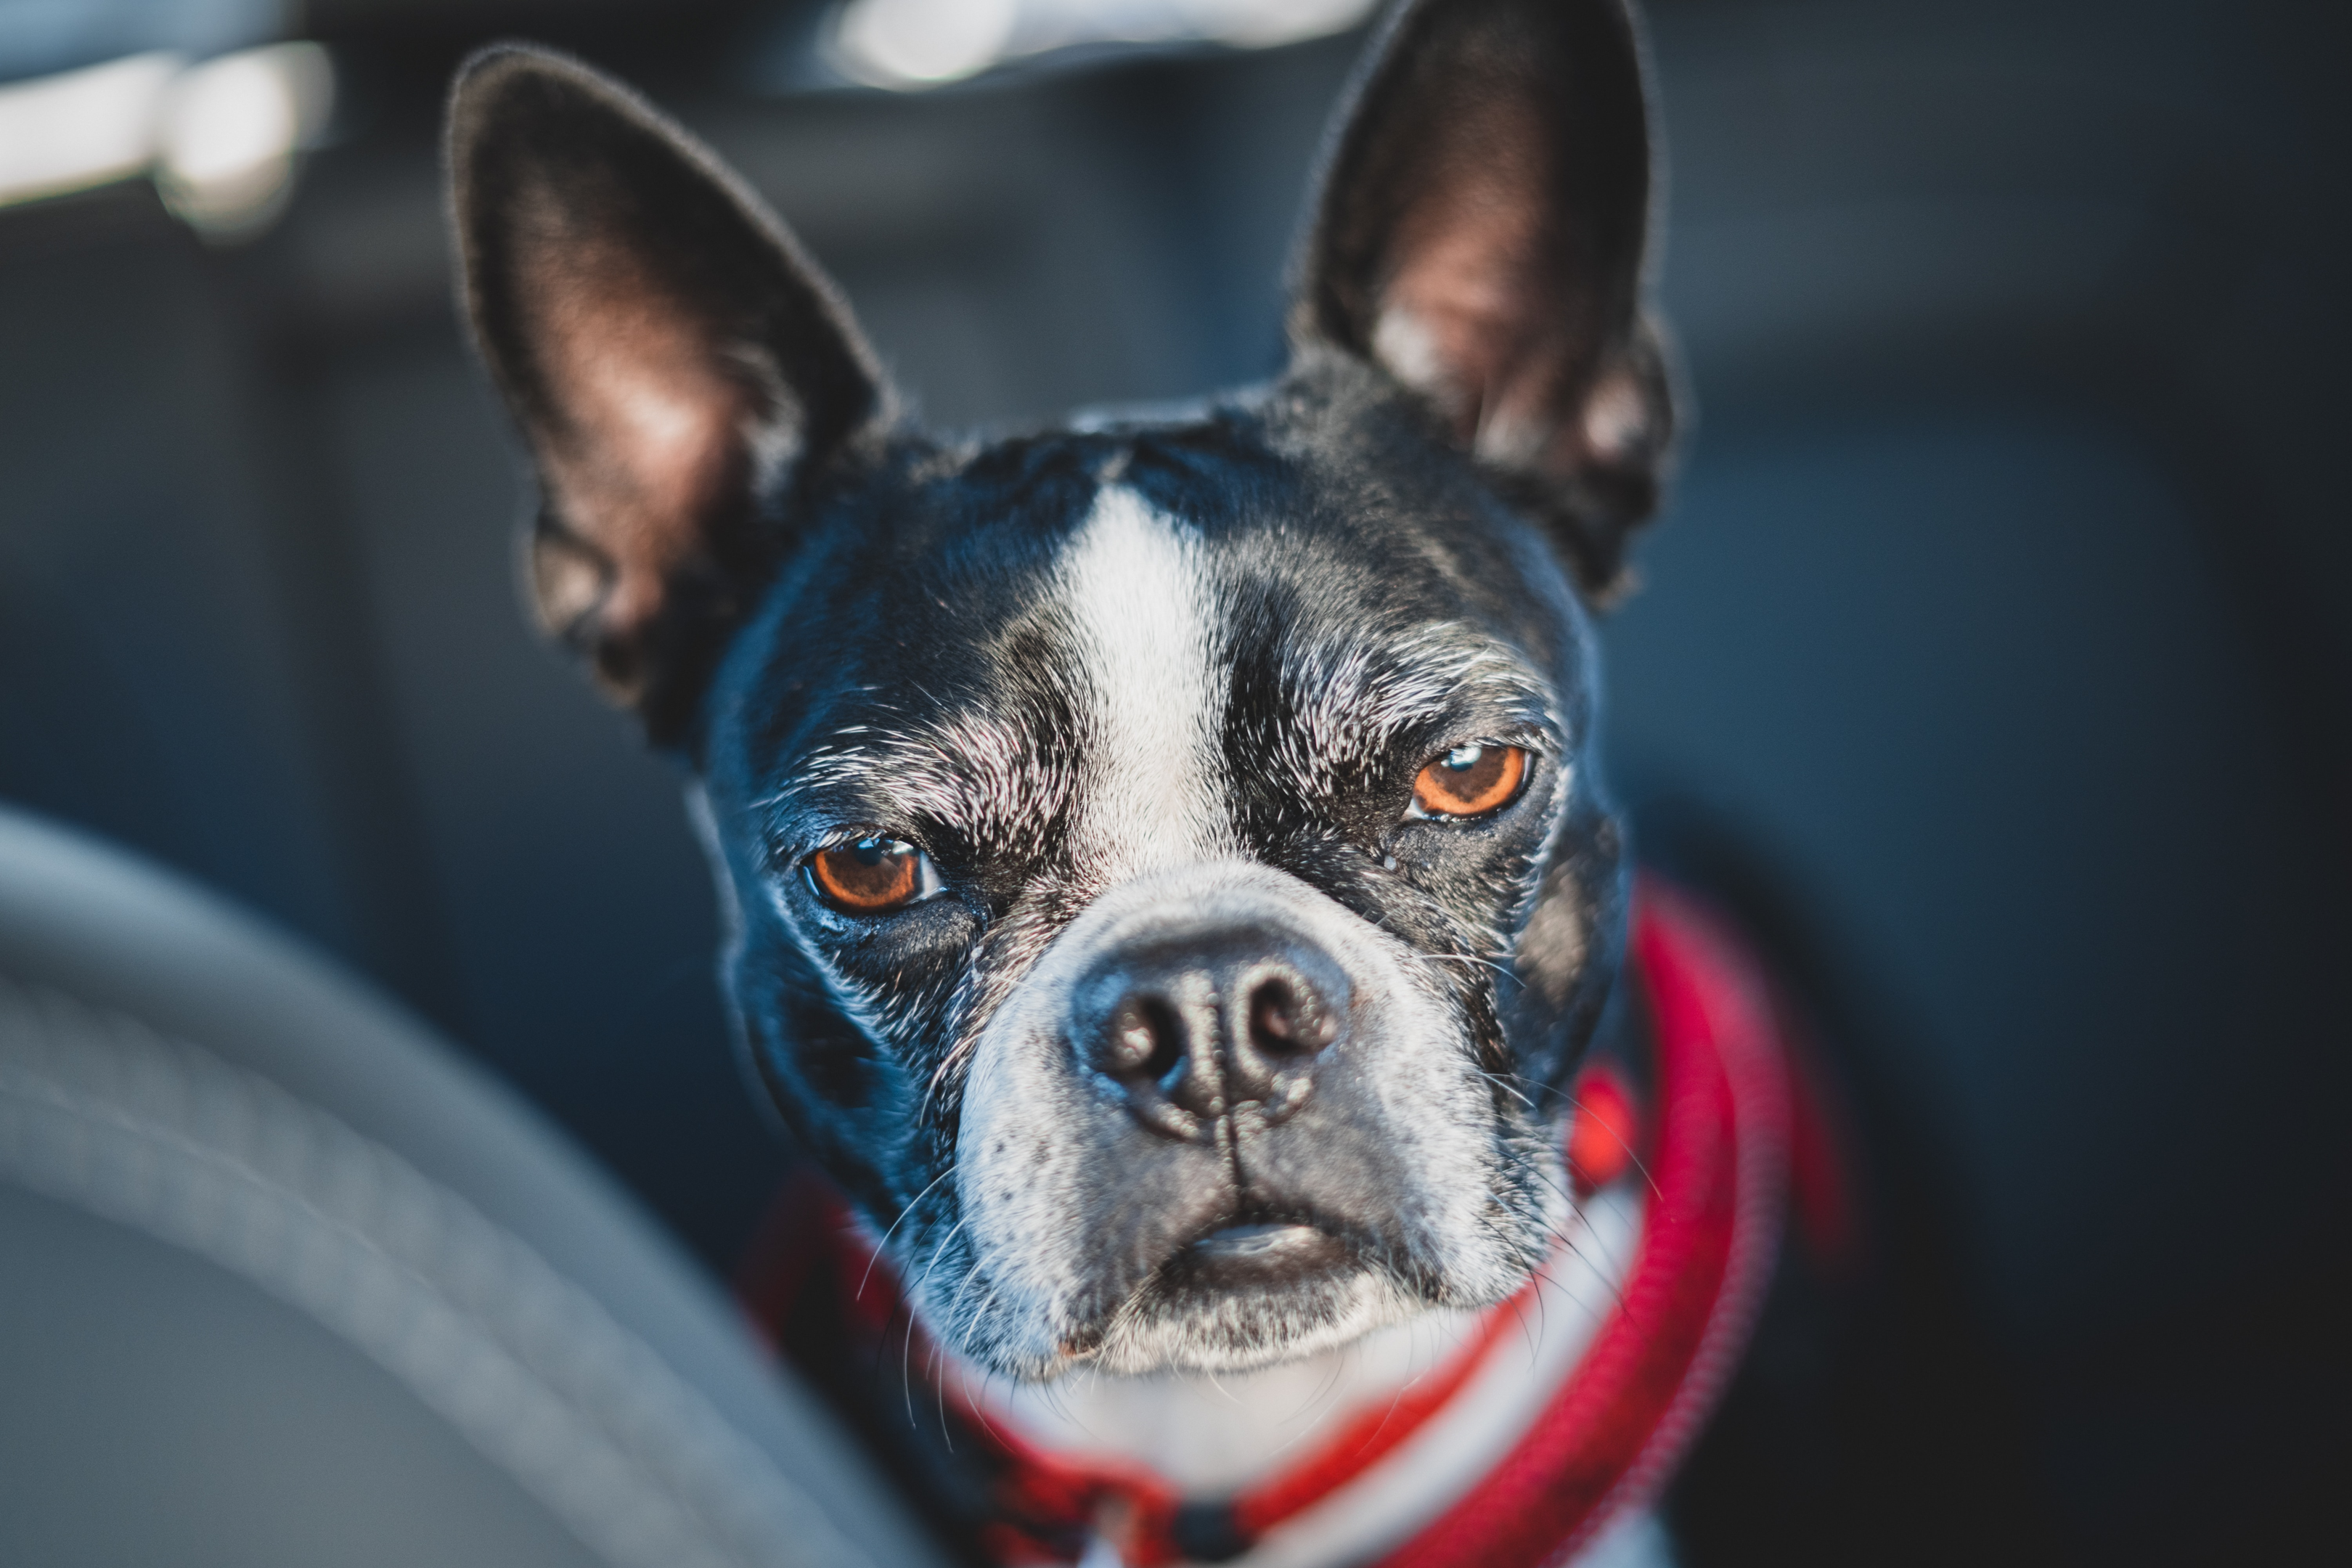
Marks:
<point>1254,1253</point>
<point>1269,1240</point>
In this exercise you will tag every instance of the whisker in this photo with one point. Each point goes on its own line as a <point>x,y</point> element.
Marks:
<point>1474,958</point>
<point>1506,1086</point>
<point>1329,1384</point>
<point>940,1397</point>
<point>1559,1233</point>
<point>938,1254</point>
<point>907,1369</point>
<point>895,1223</point>
<point>1526,1333</point>
<point>1617,1138</point>
<point>976,1405</point>
<point>948,1063</point>
<point>905,1350</point>
<point>961,1330</point>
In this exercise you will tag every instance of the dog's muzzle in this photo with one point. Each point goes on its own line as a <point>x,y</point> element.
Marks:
<point>1222,1120</point>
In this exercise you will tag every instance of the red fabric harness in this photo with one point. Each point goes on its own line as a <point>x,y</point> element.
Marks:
<point>1716,1159</point>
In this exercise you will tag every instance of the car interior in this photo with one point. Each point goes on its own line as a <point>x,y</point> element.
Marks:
<point>375,1158</point>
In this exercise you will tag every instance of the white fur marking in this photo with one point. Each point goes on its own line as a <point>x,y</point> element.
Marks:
<point>1139,600</point>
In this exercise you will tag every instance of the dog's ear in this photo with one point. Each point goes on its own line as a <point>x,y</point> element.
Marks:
<point>1480,235</point>
<point>678,369</point>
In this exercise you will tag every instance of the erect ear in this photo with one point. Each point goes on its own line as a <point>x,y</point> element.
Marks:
<point>678,369</point>
<point>1480,235</point>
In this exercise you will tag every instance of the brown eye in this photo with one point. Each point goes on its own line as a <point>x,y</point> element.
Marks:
<point>870,876</point>
<point>1470,781</point>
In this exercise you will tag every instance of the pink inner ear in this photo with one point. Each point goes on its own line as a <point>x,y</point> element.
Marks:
<point>1475,310</point>
<point>649,446</point>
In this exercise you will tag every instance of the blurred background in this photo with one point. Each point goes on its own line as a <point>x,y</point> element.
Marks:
<point>1995,653</point>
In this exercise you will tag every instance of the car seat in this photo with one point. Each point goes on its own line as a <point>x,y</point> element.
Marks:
<point>283,1280</point>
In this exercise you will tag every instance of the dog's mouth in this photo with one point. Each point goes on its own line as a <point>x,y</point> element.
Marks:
<point>1257,1256</point>
<point>1242,1291</point>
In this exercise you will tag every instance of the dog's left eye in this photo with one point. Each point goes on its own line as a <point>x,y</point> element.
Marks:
<point>1470,781</point>
<point>871,875</point>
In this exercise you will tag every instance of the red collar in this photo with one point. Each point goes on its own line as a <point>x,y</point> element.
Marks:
<point>1716,1147</point>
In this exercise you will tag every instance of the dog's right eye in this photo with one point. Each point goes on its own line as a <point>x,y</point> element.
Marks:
<point>870,875</point>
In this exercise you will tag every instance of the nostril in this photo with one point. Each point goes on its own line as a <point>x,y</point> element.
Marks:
<point>1283,1020</point>
<point>1143,1046</point>
<point>1165,1032</point>
<point>1146,1040</point>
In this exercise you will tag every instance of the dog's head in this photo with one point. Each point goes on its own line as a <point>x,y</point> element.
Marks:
<point>1167,872</point>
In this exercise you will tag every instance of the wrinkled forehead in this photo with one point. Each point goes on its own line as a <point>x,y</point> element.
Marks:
<point>1147,654</point>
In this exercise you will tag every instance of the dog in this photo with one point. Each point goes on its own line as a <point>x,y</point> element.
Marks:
<point>1169,882</point>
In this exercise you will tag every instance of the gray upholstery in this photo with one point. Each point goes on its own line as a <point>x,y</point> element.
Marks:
<point>282,1280</point>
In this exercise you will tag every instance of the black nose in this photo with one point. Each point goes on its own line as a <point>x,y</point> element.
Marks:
<point>1189,1028</point>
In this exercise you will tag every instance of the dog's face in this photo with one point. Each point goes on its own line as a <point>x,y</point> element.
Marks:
<point>1140,863</point>
<point>1167,874</point>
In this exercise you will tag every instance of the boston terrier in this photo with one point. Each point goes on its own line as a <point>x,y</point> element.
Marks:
<point>1169,884</point>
